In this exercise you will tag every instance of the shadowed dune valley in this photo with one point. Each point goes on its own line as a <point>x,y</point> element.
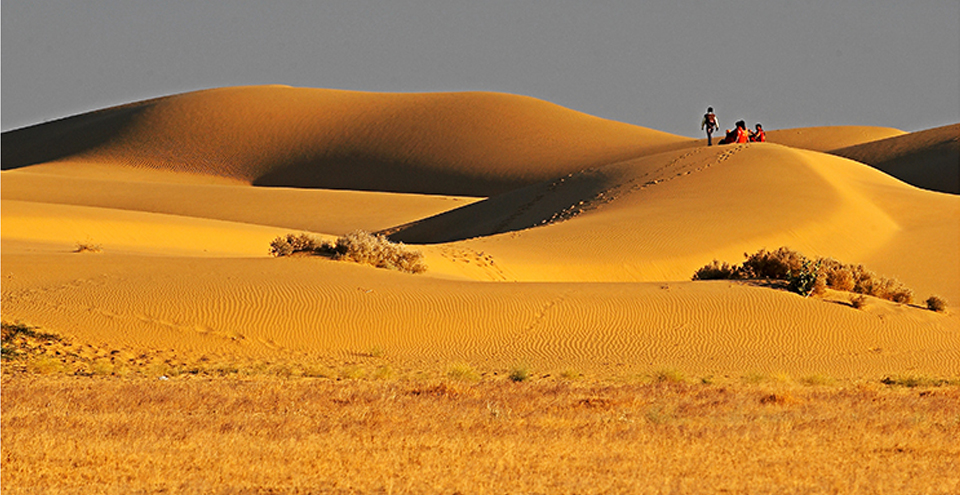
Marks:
<point>208,233</point>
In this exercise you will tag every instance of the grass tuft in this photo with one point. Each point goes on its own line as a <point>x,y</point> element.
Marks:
<point>464,372</point>
<point>520,373</point>
<point>669,375</point>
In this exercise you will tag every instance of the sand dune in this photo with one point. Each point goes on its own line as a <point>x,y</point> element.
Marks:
<point>829,138</point>
<point>575,249</point>
<point>444,143</point>
<point>929,159</point>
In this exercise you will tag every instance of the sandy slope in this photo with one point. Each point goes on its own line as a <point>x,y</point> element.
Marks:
<point>828,138</point>
<point>929,159</point>
<point>593,229</point>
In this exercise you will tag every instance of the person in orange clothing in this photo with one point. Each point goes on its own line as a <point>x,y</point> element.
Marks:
<point>759,136</point>
<point>737,135</point>
<point>742,136</point>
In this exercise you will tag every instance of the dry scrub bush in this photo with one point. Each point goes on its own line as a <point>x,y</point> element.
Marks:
<point>716,271</point>
<point>808,276</point>
<point>858,301</point>
<point>291,244</point>
<point>357,246</point>
<point>775,265</point>
<point>937,304</point>
<point>377,250</point>
<point>86,247</point>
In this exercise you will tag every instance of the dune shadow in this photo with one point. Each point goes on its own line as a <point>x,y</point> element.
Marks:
<point>65,137</point>
<point>369,174</point>
<point>537,205</point>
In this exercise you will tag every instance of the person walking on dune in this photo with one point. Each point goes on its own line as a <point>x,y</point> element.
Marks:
<point>710,124</point>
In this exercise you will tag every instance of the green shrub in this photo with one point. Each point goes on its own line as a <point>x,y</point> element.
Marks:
<point>804,280</point>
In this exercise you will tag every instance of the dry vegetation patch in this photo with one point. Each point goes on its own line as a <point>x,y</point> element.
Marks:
<point>62,434</point>
<point>357,246</point>
<point>807,276</point>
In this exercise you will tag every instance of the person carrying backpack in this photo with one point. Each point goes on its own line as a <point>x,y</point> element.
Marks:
<point>709,123</point>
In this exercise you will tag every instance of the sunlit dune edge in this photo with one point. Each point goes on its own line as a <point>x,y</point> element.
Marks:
<point>929,159</point>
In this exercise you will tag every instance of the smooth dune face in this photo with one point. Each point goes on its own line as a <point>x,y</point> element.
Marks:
<point>929,159</point>
<point>578,255</point>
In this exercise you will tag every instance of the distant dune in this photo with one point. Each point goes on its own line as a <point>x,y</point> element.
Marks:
<point>552,237</point>
<point>829,137</point>
<point>929,159</point>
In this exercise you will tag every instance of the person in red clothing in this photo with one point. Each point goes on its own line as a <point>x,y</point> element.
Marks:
<point>742,136</point>
<point>759,136</point>
<point>737,135</point>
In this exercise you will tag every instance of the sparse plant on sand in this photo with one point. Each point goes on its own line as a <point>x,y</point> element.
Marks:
<point>520,372</point>
<point>669,375</point>
<point>858,301</point>
<point>464,372</point>
<point>357,246</point>
<point>87,247</point>
<point>937,304</point>
<point>18,338</point>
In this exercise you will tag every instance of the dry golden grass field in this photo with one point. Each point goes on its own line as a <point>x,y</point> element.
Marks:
<point>76,419</point>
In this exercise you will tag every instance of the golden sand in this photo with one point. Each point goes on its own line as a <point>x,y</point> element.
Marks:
<point>552,237</point>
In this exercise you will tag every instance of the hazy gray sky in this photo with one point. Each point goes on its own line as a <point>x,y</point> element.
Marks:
<point>783,63</point>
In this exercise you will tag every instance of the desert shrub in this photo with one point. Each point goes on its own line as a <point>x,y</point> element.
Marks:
<point>937,304</point>
<point>357,246</point>
<point>296,243</point>
<point>808,276</point>
<point>858,301</point>
<point>377,250</point>
<point>804,280</point>
<point>86,247</point>
<point>716,271</point>
<point>837,275</point>
<point>520,373</point>
<point>774,265</point>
